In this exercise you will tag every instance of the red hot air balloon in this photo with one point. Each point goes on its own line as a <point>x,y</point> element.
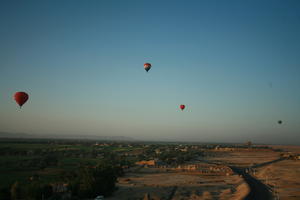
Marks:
<point>21,98</point>
<point>182,106</point>
<point>147,66</point>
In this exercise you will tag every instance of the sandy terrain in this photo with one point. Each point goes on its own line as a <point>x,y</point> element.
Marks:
<point>294,149</point>
<point>283,176</point>
<point>245,158</point>
<point>180,185</point>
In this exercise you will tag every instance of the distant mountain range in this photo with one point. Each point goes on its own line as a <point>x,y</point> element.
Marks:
<point>56,136</point>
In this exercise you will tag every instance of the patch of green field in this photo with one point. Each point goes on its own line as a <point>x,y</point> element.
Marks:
<point>20,161</point>
<point>72,162</point>
<point>14,162</point>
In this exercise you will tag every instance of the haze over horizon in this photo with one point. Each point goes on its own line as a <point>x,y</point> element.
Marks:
<point>234,64</point>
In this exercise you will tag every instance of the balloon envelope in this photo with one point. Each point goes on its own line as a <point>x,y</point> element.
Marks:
<point>182,106</point>
<point>147,66</point>
<point>21,98</point>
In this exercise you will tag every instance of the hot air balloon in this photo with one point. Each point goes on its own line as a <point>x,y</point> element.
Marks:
<point>147,66</point>
<point>21,98</point>
<point>279,122</point>
<point>182,107</point>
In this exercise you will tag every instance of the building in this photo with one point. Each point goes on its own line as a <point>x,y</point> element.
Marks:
<point>146,162</point>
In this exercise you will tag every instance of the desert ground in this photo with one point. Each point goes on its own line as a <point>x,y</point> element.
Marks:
<point>281,177</point>
<point>160,184</point>
<point>244,158</point>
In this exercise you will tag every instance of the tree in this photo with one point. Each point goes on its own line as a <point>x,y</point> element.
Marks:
<point>47,191</point>
<point>33,190</point>
<point>97,181</point>
<point>5,193</point>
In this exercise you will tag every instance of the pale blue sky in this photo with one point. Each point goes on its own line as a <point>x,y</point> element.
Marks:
<point>82,64</point>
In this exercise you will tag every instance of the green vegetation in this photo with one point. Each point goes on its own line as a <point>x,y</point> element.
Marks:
<point>49,169</point>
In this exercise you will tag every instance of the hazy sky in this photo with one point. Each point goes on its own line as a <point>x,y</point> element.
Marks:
<point>234,64</point>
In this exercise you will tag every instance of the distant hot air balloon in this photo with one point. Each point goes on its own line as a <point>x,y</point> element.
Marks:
<point>21,98</point>
<point>279,122</point>
<point>270,84</point>
<point>182,107</point>
<point>147,66</point>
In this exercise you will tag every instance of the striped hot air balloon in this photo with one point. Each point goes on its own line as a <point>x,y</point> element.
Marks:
<point>147,66</point>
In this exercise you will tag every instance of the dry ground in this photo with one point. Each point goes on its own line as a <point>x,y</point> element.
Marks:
<point>244,158</point>
<point>294,149</point>
<point>189,185</point>
<point>283,176</point>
